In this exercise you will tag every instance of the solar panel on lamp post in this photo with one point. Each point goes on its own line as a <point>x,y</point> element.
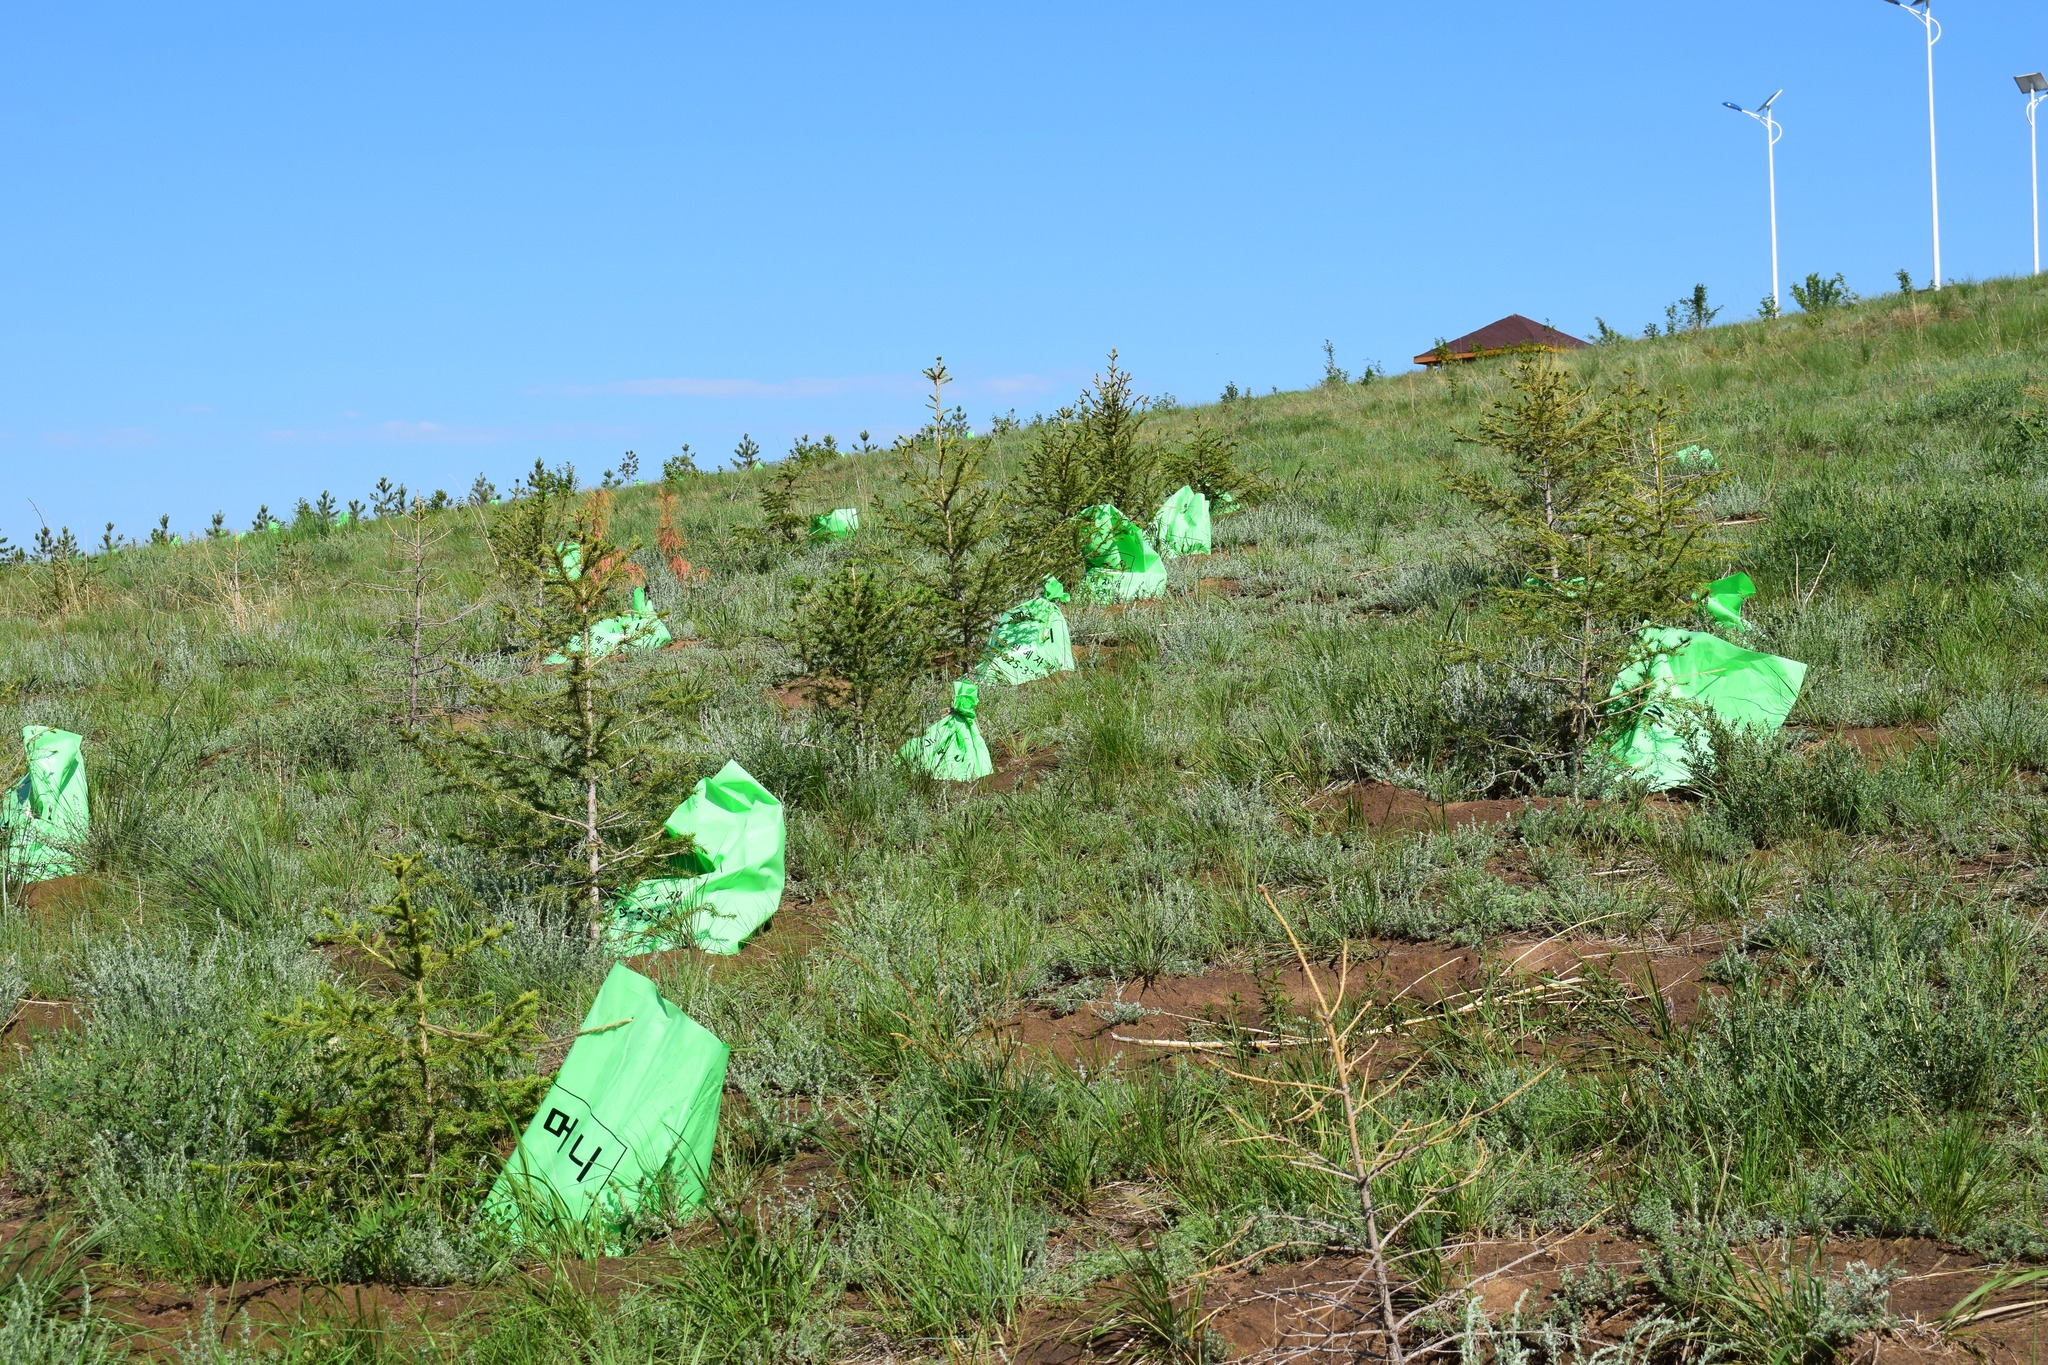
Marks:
<point>1772,132</point>
<point>2035,88</point>
<point>1923,12</point>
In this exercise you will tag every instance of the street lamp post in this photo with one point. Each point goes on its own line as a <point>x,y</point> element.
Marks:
<point>2035,88</point>
<point>1772,132</point>
<point>1923,11</point>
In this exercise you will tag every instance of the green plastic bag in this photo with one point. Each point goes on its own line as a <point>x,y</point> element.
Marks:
<point>636,1101</point>
<point>1030,640</point>
<point>640,628</point>
<point>570,553</point>
<point>46,816</point>
<point>1696,457</point>
<point>1183,524</point>
<point>1722,600</point>
<point>1122,565</point>
<point>952,749</point>
<point>837,524</point>
<point>1741,687</point>
<point>727,886</point>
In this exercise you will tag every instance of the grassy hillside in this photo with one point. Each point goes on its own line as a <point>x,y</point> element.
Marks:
<point>1688,1056</point>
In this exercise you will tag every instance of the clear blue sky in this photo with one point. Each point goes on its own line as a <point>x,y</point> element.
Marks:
<point>251,252</point>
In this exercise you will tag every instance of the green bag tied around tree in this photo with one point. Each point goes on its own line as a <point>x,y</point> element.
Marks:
<point>1183,524</point>
<point>46,816</point>
<point>1122,565</point>
<point>952,749</point>
<point>1696,457</point>
<point>725,887</point>
<point>640,628</point>
<point>1030,640</point>
<point>570,554</point>
<point>1690,669</point>
<point>837,524</point>
<point>635,1104</point>
<point>1722,600</point>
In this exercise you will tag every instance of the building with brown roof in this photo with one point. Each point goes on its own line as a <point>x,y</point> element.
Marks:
<point>1513,333</point>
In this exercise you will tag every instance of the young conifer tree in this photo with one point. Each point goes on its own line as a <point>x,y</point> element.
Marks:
<point>525,534</point>
<point>422,634</point>
<point>1208,461</point>
<point>569,769</point>
<point>1124,468</point>
<point>781,521</point>
<point>863,648</point>
<point>958,555</point>
<point>413,1075</point>
<point>1597,531</point>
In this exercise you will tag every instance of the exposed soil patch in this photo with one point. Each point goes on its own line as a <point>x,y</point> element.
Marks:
<point>1322,1309</point>
<point>1109,653</point>
<point>1194,1015</point>
<point>1871,740</point>
<point>1019,771</point>
<point>797,926</point>
<point>58,895</point>
<point>30,1022</point>
<point>1383,806</point>
<point>161,1317</point>
<point>1218,587</point>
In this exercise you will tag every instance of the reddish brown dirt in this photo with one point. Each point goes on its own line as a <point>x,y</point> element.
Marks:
<point>1218,587</point>
<point>59,895</point>
<point>1383,806</point>
<point>1019,771</point>
<point>1320,1310</point>
<point>1420,973</point>
<point>161,1317</point>
<point>1106,653</point>
<point>32,1021</point>
<point>798,925</point>
<point>1871,740</point>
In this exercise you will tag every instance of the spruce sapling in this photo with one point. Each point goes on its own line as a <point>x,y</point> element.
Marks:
<point>413,1075</point>
<point>570,769</point>
<point>1125,469</point>
<point>1597,532</point>
<point>963,565</point>
<point>862,647</point>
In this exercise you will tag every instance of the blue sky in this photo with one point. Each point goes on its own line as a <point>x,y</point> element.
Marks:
<point>248,253</point>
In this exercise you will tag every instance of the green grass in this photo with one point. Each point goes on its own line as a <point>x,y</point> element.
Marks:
<point>1874,1058</point>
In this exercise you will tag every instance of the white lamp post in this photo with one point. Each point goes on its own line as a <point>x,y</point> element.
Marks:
<point>1772,132</point>
<point>1923,11</point>
<point>2035,88</point>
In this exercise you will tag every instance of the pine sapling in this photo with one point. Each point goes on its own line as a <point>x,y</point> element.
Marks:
<point>1208,461</point>
<point>1598,532</point>
<point>1125,469</point>
<point>863,647</point>
<point>565,764</point>
<point>411,1075</point>
<point>422,635</point>
<point>961,562</point>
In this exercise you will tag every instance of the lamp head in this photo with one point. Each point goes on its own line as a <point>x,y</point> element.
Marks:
<point>2033,84</point>
<point>1736,107</point>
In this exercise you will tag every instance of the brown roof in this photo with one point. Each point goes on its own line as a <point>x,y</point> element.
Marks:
<point>1510,333</point>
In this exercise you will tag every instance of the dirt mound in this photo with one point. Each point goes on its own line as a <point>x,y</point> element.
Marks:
<point>1384,806</point>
